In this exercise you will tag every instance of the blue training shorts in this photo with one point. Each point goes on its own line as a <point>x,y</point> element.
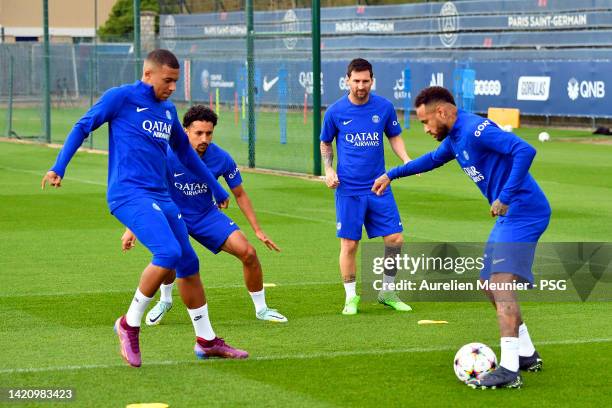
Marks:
<point>379,214</point>
<point>158,224</point>
<point>511,246</point>
<point>212,229</point>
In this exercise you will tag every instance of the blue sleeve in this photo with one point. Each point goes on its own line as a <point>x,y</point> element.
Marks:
<point>232,175</point>
<point>179,143</point>
<point>329,129</point>
<point>427,162</point>
<point>102,111</point>
<point>392,127</point>
<point>497,140</point>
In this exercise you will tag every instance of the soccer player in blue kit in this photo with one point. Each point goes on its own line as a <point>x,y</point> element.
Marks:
<point>498,162</point>
<point>205,222</point>
<point>358,121</point>
<point>142,124</point>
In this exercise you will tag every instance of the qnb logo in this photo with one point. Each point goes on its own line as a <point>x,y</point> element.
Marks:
<point>363,139</point>
<point>585,89</point>
<point>191,189</point>
<point>481,127</point>
<point>474,174</point>
<point>234,173</point>
<point>158,129</point>
<point>487,87</point>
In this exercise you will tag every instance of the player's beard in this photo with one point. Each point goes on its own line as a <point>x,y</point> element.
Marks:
<point>442,132</point>
<point>202,148</point>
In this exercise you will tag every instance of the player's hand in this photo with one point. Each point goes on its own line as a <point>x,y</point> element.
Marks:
<point>267,241</point>
<point>498,208</point>
<point>53,178</point>
<point>331,178</point>
<point>128,240</point>
<point>381,184</point>
<point>224,204</point>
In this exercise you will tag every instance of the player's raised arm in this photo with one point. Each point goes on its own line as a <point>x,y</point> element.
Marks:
<point>190,159</point>
<point>101,112</point>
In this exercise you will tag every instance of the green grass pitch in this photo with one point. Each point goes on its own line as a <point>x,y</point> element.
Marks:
<point>64,280</point>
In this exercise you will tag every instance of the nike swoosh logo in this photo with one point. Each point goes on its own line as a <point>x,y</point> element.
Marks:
<point>496,261</point>
<point>232,223</point>
<point>178,174</point>
<point>140,109</point>
<point>346,122</point>
<point>268,85</point>
<point>158,316</point>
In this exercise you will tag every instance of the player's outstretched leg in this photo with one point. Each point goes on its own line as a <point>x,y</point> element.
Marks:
<point>237,245</point>
<point>509,319</point>
<point>128,327</point>
<point>157,313</point>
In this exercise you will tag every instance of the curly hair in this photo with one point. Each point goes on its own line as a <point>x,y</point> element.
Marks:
<point>199,112</point>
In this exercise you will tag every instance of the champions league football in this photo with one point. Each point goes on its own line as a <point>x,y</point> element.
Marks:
<point>473,360</point>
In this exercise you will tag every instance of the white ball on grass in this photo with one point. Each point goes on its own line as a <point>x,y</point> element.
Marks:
<point>544,137</point>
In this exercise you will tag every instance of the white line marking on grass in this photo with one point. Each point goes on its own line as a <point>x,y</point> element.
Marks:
<point>39,173</point>
<point>302,356</point>
<point>131,291</point>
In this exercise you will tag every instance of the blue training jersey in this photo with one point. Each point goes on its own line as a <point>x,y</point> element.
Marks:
<point>190,193</point>
<point>358,130</point>
<point>497,161</point>
<point>141,128</point>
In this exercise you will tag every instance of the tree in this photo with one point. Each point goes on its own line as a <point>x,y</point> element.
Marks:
<point>120,23</point>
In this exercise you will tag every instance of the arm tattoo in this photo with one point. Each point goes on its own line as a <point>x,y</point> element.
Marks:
<point>327,153</point>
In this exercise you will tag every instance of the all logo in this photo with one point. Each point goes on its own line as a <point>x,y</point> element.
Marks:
<point>376,119</point>
<point>585,89</point>
<point>168,115</point>
<point>399,89</point>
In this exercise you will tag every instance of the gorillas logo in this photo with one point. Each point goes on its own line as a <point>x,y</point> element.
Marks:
<point>363,139</point>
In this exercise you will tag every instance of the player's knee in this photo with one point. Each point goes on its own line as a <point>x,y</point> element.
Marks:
<point>349,247</point>
<point>169,257</point>
<point>249,255</point>
<point>394,240</point>
<point>189,263</point>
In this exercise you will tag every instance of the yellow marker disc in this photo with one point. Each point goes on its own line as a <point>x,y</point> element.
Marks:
<point>432,322</point>
<point>148,405</point>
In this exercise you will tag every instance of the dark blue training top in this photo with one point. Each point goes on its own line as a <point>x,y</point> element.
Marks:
<point>140,129</point>
<point>497,161</point>
<point>358,130</point>
<point>190,192</point>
